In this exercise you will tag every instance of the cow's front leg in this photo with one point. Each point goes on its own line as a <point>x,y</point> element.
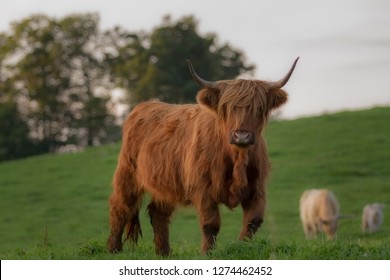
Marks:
<point>210,223</point>
<point>310,230</point>
<point>253,210</point>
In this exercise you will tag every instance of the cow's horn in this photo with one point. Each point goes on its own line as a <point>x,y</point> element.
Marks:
<point>199,80</point>
<point>282,82</point>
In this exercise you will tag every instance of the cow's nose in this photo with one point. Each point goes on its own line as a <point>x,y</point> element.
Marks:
<point>242,137</point>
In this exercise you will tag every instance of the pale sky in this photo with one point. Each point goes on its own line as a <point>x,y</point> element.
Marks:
<point>344,45</point>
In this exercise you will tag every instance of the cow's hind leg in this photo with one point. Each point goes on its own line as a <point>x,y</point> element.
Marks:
<point>160,214</point>
<point>210,223</point>
<point>125,202</point>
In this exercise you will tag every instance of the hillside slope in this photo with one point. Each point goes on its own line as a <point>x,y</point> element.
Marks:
<point>62,200</point>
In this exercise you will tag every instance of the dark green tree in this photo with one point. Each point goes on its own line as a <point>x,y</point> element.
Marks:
<point>160,69</point>
<point>14,132</point>
<point>91,78</point>
<point>59,74</point>
<point>14,140</point>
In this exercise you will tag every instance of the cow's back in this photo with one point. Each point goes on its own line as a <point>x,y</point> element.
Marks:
<point>156,136</point>
<point>154,121</point>
<point>328,205</point>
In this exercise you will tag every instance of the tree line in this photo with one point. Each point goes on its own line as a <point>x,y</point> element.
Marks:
<point>57,76</point>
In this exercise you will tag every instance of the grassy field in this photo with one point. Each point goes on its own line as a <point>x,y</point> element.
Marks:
<point>56,206</point>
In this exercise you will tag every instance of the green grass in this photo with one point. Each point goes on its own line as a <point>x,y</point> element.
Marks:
<point>56,206</point>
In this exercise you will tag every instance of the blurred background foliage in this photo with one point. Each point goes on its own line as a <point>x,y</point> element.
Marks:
<point>58,77</point>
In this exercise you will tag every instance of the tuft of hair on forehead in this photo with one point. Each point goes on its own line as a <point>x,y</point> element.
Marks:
<point>243,99</point>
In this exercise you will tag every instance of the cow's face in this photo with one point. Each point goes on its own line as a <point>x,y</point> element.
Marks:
<point>330,227</point>
<point>242,106</point>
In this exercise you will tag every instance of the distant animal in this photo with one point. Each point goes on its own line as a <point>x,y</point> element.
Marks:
<point>203,155</point>
<point>372,217</point>
<point>319,212</point>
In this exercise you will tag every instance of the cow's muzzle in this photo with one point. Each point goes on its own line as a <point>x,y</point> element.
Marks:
<point>242,138</point>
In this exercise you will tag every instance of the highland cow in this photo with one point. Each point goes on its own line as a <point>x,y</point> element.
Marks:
<point>319,212</point>
<point>372,217</point>
<point>203,155</point>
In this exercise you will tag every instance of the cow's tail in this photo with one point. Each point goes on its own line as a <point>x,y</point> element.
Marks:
<point>133,228</point>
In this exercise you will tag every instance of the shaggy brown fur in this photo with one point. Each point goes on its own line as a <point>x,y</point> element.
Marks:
<point>181,155</point>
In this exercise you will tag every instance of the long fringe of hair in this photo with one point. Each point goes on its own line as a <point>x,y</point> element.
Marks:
<point>242,100</point>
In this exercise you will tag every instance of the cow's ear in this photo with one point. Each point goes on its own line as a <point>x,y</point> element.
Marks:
<point>277,97</point>
<point>209,98</point>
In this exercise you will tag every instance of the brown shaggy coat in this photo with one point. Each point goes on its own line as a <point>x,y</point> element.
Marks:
<point>182,155</point>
